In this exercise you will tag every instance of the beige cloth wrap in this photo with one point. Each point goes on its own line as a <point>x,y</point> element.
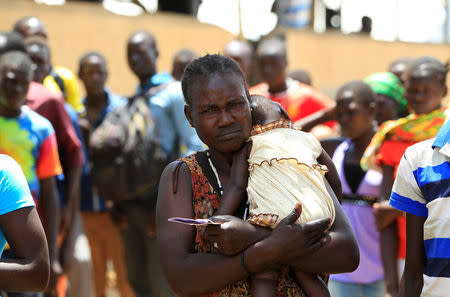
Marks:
<point>283,171</point>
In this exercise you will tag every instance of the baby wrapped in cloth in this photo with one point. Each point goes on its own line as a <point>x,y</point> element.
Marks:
<point>283,171</point>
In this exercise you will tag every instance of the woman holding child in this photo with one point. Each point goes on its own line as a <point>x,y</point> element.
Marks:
<point>219,261</point>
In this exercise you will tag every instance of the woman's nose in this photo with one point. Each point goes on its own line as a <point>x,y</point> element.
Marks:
<point>225,119</point>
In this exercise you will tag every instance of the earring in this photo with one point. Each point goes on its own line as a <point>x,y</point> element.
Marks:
<point>251,108</point>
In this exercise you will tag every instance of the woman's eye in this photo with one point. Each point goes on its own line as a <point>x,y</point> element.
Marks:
<point>209,110</point>
<point>236,104</point>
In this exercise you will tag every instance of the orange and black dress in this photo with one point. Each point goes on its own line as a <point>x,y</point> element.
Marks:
<point>205,202</point>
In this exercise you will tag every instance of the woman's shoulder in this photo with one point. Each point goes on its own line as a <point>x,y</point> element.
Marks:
<point>182,169</point>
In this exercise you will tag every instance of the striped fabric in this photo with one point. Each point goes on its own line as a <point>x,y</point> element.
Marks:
<point>422,188</point>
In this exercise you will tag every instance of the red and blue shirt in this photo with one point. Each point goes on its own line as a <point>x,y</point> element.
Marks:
<point>30,140</point>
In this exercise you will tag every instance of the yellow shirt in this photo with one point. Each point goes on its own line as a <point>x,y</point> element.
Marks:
<point>71,91</point>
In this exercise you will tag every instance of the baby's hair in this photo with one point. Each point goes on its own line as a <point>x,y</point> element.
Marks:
<point>207,66</point>
<point>265,110</point>
<point>437,69</point>
<point>89,54</point>
<point>363,92</point>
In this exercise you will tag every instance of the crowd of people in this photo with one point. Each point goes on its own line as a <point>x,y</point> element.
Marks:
<point>305,195</point>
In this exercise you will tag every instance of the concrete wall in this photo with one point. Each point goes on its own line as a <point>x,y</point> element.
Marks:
<point>75,28</point>
<point>79,27</point>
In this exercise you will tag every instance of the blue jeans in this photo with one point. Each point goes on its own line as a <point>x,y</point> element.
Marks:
<point>341,289</point>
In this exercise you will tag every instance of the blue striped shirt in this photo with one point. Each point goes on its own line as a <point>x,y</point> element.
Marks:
<point>422,188</point>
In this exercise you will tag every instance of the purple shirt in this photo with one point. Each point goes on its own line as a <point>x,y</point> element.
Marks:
<point>362,219</point>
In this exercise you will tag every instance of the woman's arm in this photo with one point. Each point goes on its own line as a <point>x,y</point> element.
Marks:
<point>389,237</point>
<point>317,118</point>
<point>29,271</point>
<point>412,280</point>
<point>190,273</point>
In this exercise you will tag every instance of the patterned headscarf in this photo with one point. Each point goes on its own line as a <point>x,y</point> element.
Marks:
<point>386,83</point>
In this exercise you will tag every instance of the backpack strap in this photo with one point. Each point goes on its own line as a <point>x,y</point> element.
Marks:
<point>59,81</point>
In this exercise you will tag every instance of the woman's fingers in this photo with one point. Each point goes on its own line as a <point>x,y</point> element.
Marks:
<point>293,216</point>
<point>317,245</point>
<point>314,237</point>
<point>320,225</point>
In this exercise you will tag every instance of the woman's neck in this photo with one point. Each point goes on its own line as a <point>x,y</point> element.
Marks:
<point>96,100</point>
<point>362,142</point>
<point>222,161</point>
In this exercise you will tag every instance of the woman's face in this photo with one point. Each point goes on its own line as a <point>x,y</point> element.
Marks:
<point>354,117</point>
<point>386,108</point>
<point>220,112</point>
<point>423,92</point>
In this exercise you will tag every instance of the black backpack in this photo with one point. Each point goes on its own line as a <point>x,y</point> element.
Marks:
<point>127,157</point>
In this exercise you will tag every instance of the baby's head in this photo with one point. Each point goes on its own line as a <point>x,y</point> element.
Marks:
<point>265,111</point>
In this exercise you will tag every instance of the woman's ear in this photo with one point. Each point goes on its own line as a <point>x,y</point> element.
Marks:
<point>187,113</point>
<point>444,91</point>
<point>372,107</point>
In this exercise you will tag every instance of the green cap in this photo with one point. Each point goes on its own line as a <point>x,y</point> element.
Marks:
<point>386,83</point>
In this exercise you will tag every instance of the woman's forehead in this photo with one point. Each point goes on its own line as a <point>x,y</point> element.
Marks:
<point>217,87</point>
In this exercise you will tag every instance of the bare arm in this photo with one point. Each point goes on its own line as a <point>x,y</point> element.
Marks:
<point>70,213</point>
<point>190,273</point>
<point>388,237</point>
<point>412,280</point>
<point>73,179</point>
<point>50,215</point>
<point>332,175</point>
<point>235,190</point>
<point>317,118</point>
<point>29,271</point>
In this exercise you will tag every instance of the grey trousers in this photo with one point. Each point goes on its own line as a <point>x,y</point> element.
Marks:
<point>141,256</point>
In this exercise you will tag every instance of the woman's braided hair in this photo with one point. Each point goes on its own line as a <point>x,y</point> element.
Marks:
<point>207,66</point>
<point>437,69</point>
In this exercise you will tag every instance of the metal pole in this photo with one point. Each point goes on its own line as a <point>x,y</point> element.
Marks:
<point>241,32</point>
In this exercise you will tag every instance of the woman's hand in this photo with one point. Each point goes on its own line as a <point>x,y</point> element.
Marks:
<point>291,241</point>
<point>233,235</point>
<point>385,214</point>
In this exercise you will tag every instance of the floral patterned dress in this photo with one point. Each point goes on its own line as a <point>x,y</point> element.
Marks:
<point>205,202</point>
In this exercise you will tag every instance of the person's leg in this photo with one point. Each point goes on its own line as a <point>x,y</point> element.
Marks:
<point>95,229</point>
<point>136,254</point>
<point>341,289</point>
<point>264,284</point>
<point>115,253</point>
<point>81,281</point>
<point>312,284</point>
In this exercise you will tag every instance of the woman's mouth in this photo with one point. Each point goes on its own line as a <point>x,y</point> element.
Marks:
<point>228,134</point>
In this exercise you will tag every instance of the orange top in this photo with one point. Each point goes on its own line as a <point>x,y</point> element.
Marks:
<point>299,100</point>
